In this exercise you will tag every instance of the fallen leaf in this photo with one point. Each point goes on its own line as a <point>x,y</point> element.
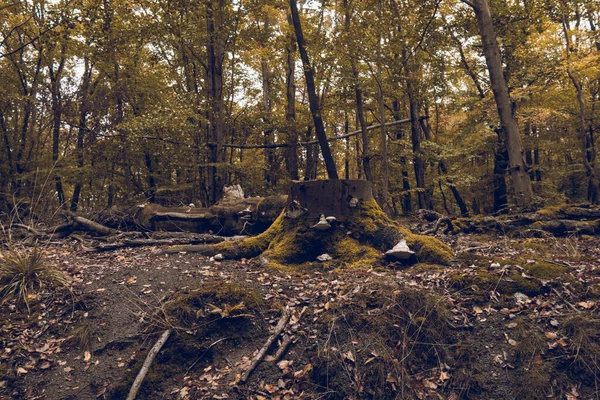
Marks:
<point>551,335</point>
<point>350,356</point>
<point>284,364</point>
<point>87,356</point>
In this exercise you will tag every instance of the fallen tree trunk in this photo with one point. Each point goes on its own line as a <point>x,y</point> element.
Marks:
<point>195,240</point>
<point>558,221</point>
<point>235,217</point>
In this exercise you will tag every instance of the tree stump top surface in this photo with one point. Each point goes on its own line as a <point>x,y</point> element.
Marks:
<point>330,197</point>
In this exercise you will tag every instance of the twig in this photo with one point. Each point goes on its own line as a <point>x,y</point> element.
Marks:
<point>263,351</point>
<point>202,355</point>
<point>285,343</point>
<point>147,363</point>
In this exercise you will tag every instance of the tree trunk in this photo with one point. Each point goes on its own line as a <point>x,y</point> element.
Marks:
<point>587,150</point>
<point>383,134</point>
<point>215,49</point>
<point>81,130</point>
<point>464,210</point>
<point>406,196</point>
<point>499,179</point>
<point>291,152</point>
<point>55,78</point>
<point>313,100</point>
<point>419,164</point>
<point>269,170</point>
<point>520,178</point>
<point>312,157</point>
<point>360,115</point>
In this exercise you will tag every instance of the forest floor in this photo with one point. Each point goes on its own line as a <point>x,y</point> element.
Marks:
<point>511,318</point>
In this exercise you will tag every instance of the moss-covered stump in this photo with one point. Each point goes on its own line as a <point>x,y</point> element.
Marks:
<point>359,234</point>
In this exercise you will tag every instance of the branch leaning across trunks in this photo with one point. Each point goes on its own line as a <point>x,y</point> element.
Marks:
<point>284,145</point>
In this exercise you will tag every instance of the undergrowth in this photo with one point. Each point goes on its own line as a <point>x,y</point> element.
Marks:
<point>382,342</point>
<point>25,273</point>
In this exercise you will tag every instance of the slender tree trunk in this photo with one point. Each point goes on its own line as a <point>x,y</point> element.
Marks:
<point>313,100</point>
<point>269,171</point>
<point>291,152</point>
<point>383,133</point>
<point>499,178</point>
<point>464,210</point>
<point>81,130</point>
<point>587,149</point>
<point>406,196</point>
<point>55,81</point>
<point>366,159</point>
<point>419,164</point>
<point>520,178</point>
<point>216,52</point>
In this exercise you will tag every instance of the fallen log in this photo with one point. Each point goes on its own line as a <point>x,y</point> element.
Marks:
<point>88,223</point>
<point>232,217</point>
<point>558,222</point>
<point>199,239</point>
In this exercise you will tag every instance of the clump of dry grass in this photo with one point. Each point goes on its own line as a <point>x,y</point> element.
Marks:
<point>24,273</point>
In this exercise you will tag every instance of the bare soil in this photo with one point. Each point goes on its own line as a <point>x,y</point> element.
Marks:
<point>465,331</point>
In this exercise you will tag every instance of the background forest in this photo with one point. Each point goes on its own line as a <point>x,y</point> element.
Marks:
<point>107,102</point>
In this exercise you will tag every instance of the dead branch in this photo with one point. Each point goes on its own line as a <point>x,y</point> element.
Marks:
<point>196,240</point>
<point>147,363</point>
<point>263,351</point>
<point>89,224</point>
<point>285,343</point>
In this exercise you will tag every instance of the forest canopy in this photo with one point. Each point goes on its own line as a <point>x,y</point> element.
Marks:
<point>107,102</point>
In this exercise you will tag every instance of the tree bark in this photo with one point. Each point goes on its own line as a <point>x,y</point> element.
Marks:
<point>313,100</point>
<point>419,164</point>
<point>360,115</point>
<point>55,81</point>
<point>587,150</point>
<point>291,159</point>
<point>499,178</point>
<point>215,49</point>
<point>520,178</point>
<point>81,130</point>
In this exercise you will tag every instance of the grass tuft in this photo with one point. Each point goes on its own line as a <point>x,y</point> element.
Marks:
<point>24,273</point>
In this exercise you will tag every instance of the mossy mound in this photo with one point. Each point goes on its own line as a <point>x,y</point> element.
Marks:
<point>359,239</point>
<point>545,270</point>
<point>198,316</point>
<point>204,304</point>
<point>388,331</point>
<point>480,283</point>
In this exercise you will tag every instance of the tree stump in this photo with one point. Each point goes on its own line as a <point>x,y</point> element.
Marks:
<point>358,234</point>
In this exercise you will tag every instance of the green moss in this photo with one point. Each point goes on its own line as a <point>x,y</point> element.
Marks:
<point>429,249</point>
<point>546,271</point>
<point>482,282</point>
<point>252,246</point>
<point>358,240</point>
<point>552,211</point>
